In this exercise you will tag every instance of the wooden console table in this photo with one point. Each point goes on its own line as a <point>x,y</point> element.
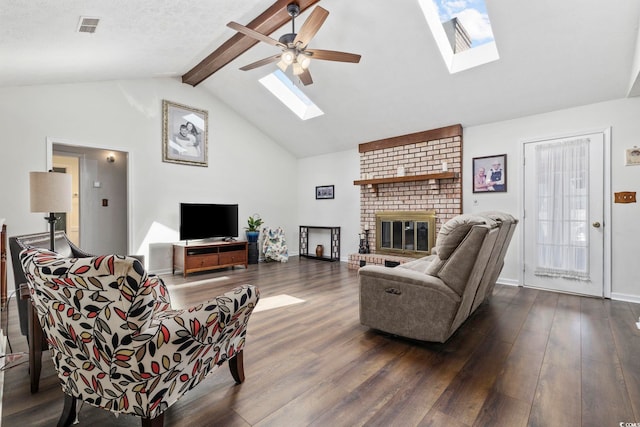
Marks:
<point>335,242</point>
<point>208,256</point>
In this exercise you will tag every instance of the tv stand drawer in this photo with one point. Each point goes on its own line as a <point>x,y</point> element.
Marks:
<point>234,257</point>
<point>193,262</point>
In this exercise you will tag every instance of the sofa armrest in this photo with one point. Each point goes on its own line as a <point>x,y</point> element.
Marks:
<point>406,276</point>
<point>210,322</point>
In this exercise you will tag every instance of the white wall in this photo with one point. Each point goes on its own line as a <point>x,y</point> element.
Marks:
<point>250,169</point>
<point>340,170</point>
<point>623,116</point>
<point>245,166</point>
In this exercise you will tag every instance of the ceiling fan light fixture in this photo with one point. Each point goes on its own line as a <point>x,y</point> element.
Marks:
<point>297,69</point>
<point>288,57</point>
<point>303,60</point>
<point>282,65</point>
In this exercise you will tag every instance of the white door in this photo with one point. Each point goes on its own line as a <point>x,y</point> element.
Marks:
<point>564,214</point>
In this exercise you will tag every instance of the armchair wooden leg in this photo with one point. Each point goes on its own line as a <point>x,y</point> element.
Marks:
<point>68,416</point>
<point>153,422</point>
<point>236,366</point>
<point>36,338</point>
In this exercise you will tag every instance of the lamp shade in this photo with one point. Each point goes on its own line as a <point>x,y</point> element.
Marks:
<point>50,191</point>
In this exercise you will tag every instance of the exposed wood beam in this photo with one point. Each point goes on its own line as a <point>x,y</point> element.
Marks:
<point>266,23</point>
<point>413,138</point>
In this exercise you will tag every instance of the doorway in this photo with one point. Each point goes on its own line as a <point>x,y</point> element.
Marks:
<point>99,221</point>
<point>565,214</point>
<point>69,222</point>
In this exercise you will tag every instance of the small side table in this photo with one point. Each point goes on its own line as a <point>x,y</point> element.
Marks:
<point>252,253</point>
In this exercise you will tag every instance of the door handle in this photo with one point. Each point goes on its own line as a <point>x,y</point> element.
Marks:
<point>596,224</point>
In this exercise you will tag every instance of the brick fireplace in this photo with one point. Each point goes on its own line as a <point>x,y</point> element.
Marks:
<point>416,172</point>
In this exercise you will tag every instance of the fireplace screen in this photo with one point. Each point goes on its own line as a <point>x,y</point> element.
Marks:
<point>406,232</point>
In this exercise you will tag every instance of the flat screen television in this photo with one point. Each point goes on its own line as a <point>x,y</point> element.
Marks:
<point>208,220</point>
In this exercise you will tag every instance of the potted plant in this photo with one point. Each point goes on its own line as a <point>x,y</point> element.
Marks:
<point>253,227</point>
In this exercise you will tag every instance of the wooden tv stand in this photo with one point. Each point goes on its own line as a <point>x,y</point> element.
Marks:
<point>208,256</point>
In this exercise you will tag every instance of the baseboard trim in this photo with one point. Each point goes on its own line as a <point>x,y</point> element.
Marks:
<point>614,295</point>
<point>625,297</point>
<point>510,282</point>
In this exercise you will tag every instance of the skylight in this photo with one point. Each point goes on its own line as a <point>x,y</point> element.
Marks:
<point>290,95</point>
<point>462,32</point>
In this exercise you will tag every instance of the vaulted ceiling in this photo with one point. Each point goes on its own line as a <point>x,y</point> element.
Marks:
<point>553,55</point>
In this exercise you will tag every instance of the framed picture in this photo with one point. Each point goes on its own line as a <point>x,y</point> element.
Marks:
<point>632,156</point>
<point>184,134</point>
<point>490,174</point>
<point>324,192</point>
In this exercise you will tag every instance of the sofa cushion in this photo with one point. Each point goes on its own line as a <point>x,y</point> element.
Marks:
<point>434,268</point>
<point>455,230</point>
<point>420,265</point>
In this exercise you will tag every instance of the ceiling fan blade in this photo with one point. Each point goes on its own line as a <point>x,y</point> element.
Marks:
<point>261,62</point>
<point>305,78</point>
<point>255,35</point>
<point>311,26</point>
<point>333,55</point>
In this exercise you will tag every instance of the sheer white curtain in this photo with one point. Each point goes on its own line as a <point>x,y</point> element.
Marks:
<point>562,214</point>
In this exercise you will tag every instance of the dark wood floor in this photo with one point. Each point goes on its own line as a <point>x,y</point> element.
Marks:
<point>528,357</point>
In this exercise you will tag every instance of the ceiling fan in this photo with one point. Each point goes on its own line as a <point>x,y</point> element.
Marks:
<point>294,45</point>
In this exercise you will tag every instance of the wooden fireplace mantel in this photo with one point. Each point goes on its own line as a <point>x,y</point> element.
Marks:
<point>412,178</point>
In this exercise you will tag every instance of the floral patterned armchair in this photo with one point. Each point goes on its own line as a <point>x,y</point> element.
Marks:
<point>275,245</point>
<point>116,342</point>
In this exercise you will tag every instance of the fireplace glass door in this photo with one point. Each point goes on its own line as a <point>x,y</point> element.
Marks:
<point>408,233</point>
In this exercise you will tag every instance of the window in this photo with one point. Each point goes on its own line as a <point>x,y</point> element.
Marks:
<point>290,95</point>
<point>462,31</point>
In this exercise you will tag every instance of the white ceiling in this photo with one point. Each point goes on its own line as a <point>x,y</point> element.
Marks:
<point>553,55</point>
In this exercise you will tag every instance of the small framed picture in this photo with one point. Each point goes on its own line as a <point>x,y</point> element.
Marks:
<point>490,174</point>
<point>184,134</point>
<point>324,192</point>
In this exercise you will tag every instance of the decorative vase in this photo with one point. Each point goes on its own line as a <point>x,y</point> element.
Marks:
<point>252,236</point>
<point>319,250</point>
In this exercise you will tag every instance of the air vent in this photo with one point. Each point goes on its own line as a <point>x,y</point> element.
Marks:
<point>88,25</point>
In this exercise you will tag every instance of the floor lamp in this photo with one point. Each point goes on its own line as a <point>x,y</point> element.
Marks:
<point>50,192</point>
